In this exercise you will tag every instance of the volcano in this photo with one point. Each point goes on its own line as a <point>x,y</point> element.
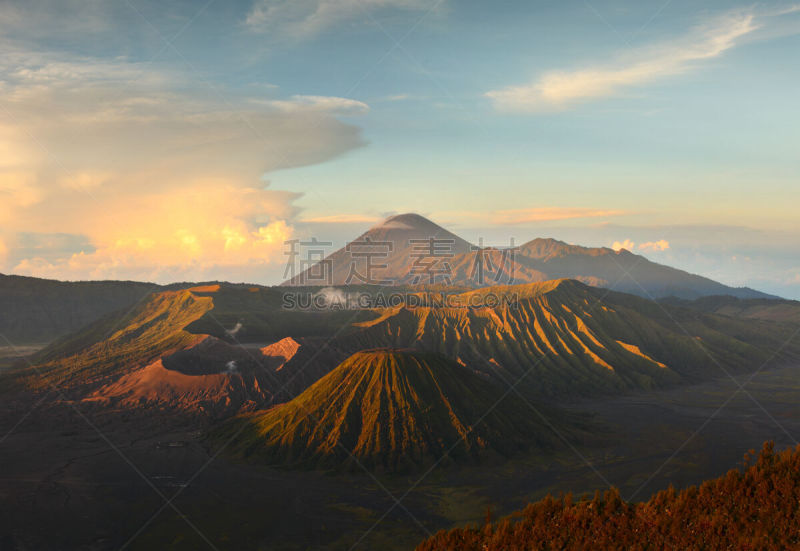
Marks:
<point>391,410</point>
<point>409,249</point>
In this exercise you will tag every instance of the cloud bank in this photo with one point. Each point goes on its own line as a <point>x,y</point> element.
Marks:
<point>162,179</point>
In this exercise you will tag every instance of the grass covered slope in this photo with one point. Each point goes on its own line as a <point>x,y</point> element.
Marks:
<point>752,509</point>
<point>394,410</point>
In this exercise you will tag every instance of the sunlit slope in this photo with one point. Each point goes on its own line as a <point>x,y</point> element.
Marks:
<point>566,338</point>
<point>569,338</point>
<point>390,410</point>
<point>119,342</point>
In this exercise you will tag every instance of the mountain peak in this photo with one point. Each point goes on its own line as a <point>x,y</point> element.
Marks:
<point>409,221</point>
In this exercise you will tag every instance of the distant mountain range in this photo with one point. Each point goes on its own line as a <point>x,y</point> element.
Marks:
<point>410,249</point>
<point>38,310</point>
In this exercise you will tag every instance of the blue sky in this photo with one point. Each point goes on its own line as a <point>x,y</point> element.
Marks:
<point>186,140</point>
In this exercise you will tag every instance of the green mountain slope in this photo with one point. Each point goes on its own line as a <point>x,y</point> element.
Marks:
<point>393,410</point>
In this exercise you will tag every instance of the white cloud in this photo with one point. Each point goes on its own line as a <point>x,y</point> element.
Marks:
<point>627,245</point>
<point>562,89</point>
<point>331,104</point>
<point>309,17</point>
<point>655,246</point>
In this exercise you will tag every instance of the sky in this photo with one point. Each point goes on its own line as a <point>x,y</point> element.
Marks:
<point>187,141</point>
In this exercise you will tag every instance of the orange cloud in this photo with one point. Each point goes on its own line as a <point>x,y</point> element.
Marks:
<point>627,245</point>
<point>545,214</point>
<point>174,236</point>
<point>342,219</point>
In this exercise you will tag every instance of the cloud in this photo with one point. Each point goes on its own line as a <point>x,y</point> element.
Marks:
<point>341,219</point>
<point>163,180</point>
<point>331,104</point>
<point>86,180</point>
<point>627,245</point>
<point>49,245</point>
<point>655,246</point>
<point>310,17</point>
<point>174,236</point>
<point>561,89</point>
<point>545,214</point>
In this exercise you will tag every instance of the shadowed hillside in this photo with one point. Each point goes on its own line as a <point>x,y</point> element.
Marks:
<point>393,410</point>
<point>40,310</point>
<point>620,270</point>
<point>758,309</point>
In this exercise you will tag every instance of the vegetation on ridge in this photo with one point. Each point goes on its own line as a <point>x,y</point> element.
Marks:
<point>751,509</point>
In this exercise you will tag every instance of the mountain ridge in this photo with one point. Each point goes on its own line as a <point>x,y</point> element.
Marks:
<point>407,261</point>
<point>564,338</point>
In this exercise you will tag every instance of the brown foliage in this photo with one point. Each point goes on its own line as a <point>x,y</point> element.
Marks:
<point>751,509</point>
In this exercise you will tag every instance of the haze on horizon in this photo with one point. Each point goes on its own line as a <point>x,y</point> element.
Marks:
<point>170,141</point>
